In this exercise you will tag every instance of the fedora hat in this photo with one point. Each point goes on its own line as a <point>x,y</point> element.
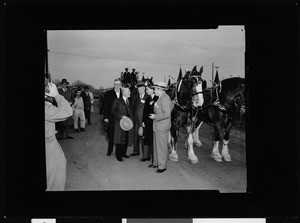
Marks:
<point>126,123</point>
<point>140,84</point>
<point>64,81</point>
<point>160,84</point>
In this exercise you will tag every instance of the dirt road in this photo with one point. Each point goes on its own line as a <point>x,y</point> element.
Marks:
<point>88,167</point>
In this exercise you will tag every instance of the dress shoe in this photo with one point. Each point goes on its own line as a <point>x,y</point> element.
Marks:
<point>151,165</point>
<point>144,159</point>
<point>108,154</point>
<point>120,159</point>
<point>154,166</point>
<point>126,156</point>
<point>134,154</point>
<point>82,129</point>
<point>161,170</point>
<point>69,137</point>
<point>77,130</point>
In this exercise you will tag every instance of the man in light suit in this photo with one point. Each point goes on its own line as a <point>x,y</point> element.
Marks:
<point>161,126</point>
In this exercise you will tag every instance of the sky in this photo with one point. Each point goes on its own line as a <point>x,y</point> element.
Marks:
<point>97,57</point>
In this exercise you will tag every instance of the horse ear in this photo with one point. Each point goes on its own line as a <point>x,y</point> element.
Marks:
<point>201,71</point>
<point>143,79</point>
<point>194,70</point>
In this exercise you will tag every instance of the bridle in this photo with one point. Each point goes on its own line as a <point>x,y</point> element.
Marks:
<point>198,79</point>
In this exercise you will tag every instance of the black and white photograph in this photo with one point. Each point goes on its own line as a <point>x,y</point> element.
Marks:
<point>146,109</point>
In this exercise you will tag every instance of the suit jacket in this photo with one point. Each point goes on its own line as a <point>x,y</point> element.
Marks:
<point>118,110</point>
<point>162,109</point>
<point>86,101</point>
<point>68,94</point>
<point>109,98</point>
<point>139,109</point>
<point>149,109</point>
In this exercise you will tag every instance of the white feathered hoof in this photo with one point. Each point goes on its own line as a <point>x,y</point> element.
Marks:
<point>216,157</point>
<point>193,160</point>
<point>173,156</point>
<point>227,157</point>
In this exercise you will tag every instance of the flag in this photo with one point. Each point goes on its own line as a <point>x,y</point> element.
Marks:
<point>180,75</point>
<point>169,82</point>
<point>217,80</point>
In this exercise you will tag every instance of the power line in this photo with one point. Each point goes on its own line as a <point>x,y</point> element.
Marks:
<point>140,61</point>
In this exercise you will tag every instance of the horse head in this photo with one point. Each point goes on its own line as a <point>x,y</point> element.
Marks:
<point>232,92</point>
<point>189,89</point>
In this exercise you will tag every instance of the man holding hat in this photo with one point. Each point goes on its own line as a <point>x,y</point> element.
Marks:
<point>68,94</point>
<point>161,126</point>
<point>122,113</point>
<point>109,98</point>
<point>138,108</point>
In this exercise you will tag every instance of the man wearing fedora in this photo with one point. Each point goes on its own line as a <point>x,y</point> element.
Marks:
<point>87,101</point>
<point>161,126</point>
<point>148,122</point>
<point>109,97</point>
<point>67,93</point>
<point>122,113</point>
<point>126,76</point>
<point>138,110</point>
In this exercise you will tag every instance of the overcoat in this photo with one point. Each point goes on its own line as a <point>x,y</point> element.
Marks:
<point>118,110</point>
<point>69,96</point>
<point>109,98</point>
<point>55,158</point>
<point>148,109</point>
<point>138,107</point>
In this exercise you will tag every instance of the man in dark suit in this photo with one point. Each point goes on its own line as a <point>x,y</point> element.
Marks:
<point>138,107</point>
<point>109,97</point>
<point>87,104</point>
<point>148,123</point>
<point>64,126</point>
<point>122,137</point>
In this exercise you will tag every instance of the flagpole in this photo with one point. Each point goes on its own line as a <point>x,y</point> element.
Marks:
<point>212,73</point>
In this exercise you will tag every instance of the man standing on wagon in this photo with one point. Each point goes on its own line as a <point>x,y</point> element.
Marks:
<point>161,126</point>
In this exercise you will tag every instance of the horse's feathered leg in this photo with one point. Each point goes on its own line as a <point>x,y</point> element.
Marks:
<point>173,138</point>
<point>215,152</point>
<point>191,155</point>
<point>225,154</point>
<point>173,153</point>
<point>197,142</point>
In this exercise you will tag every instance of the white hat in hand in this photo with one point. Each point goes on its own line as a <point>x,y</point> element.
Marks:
<point>52,90</point>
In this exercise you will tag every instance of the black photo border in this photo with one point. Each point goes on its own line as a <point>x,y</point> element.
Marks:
<point>272,134</point>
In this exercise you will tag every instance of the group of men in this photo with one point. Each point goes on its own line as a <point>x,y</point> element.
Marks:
<point>81,101</point>
<point>128,77</point>
<point>150,112</point>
